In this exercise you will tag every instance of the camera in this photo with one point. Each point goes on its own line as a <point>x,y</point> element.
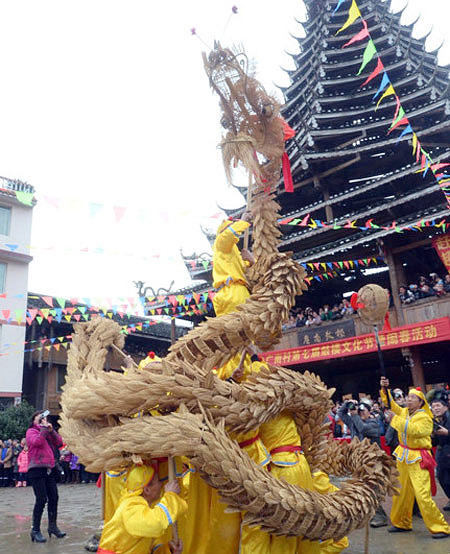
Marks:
<point>44,414</point>
<point>436,425</point>
<point>351,405</point>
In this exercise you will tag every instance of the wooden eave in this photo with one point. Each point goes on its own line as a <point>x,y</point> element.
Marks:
<point>350,242</point>
<point>363,187</point>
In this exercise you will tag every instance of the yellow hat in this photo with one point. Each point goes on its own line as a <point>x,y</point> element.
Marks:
<point>138,477</point>
<point>151,357</point>
<point>426,407</point>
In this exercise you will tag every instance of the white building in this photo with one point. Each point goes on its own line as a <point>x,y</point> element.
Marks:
<point>15,237</point>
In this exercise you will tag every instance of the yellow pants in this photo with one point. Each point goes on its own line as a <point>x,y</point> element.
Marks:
<point>415,483</point>
<point>300,475</point>
<point>322,484</point>
<point>229,297</point>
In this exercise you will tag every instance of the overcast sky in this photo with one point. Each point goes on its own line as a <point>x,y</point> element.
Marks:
<point>106,102</point>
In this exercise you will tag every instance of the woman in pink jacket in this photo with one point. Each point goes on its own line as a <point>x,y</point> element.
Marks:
<point>42,440</point>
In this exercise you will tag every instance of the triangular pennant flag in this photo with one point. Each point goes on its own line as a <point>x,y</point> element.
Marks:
<point>67,317</point>
<point>384,83</point>
<point>61,302</point>
<point>400,115</point>
<point>406,131</point>
<point>94,208</point>
<point>6,314</point>
<point>39,319</point>
<point>414,143</point>
<point>119,212</point>
<point>12,247</point>
<point>19,316</point>
<point>388,92</point>
<point>33,313</point>
<point>25,197</point>
<point>364,33</point>
<point>353,15</point>
<point>379,68</point>
<point>338,5</point>
<point>48,300</point>
<point>369,53</point>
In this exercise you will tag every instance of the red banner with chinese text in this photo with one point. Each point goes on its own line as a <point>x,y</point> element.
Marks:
<point>442,246</point>
<point>435,330</point>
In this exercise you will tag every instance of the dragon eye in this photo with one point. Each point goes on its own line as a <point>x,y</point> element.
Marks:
<point>267,110</point>
<point>225,122</point>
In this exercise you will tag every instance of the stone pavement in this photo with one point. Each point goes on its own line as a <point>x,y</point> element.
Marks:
<point>79,517</point>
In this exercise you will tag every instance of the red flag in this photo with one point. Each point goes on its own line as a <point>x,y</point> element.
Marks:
<point>374,73</point>
<point>287,175</point>
<point>364,33</point>
<point>403,121</point>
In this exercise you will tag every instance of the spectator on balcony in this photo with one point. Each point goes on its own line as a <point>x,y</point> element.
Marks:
<point>336,313</point>
<point>423,281</point>
<point>435,280</point>
<point>447,283</point>
<point>406,296</point>
<point>301,319</point>
<point>415,290</point>
<point>346,308</point>
<point>426,291</point>
<point>439,290</point>
<point>326,314</point>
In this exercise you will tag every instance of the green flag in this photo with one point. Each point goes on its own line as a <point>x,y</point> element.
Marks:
<point>369,53</point>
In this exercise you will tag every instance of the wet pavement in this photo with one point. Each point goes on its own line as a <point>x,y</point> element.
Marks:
<point>79,516</point>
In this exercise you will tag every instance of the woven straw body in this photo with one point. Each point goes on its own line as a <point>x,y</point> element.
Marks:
<point>199,409</point>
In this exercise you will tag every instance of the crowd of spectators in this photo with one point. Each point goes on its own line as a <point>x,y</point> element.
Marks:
<point>309,316</point>
<point>432,286</point>
<point>14,465</point>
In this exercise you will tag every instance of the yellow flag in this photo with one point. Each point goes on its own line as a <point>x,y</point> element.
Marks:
<point>390,90</point>
<point>414,144</point>
<point>353,15</point>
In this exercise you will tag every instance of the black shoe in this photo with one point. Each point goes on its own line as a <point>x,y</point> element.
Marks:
<point>378,521</point>
<point>440,535</point>
<point>446,508</point>
<point>394,529</point>
<point>53,528</point>
<point>37,536</point>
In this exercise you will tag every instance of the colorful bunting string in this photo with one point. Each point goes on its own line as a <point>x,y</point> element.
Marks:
<point>386,89</point>
<point>307,221</point>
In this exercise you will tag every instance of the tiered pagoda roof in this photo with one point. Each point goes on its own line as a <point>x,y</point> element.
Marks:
<point>345,166</point>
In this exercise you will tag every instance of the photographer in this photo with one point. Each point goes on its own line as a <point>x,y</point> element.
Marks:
<point>357,418</point>
<point>441,439</point>
<point>356,415</point>
<point>41,440</point>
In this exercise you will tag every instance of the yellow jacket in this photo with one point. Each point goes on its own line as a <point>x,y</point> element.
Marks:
<point>413,431</point>
<point>227,260</point>
<point>281,431</point>
<point>136,527</point>
<point>256,450</point>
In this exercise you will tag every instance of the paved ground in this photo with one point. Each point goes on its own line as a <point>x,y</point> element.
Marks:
<point>79,517</point>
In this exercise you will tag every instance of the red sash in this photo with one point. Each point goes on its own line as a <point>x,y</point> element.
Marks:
<point>428,463</point>
<point>287,448</point>
<point>103,551</point>
<point>248,442</point>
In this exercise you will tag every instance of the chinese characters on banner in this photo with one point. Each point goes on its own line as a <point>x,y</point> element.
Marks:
<point>435,330</point>
<point>333,331</point>
<point>442,246</point>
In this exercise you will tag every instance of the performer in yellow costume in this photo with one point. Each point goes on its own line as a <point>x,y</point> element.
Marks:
<point>229,266</point>
<point>414,425</point>
<point>142,517</point>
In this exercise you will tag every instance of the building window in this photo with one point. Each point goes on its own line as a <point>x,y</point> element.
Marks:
<point>5,220</point>
<point>60,378</point>
<point>2,277</point>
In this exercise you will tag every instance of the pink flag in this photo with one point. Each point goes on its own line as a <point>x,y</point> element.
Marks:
<point>48,300</point>
<point>119,212</point>
<point>364,33</point>
<point>374,73</point>
<point>403,121</point>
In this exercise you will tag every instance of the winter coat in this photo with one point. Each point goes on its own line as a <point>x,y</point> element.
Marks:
<point>443,443</point>
<point>22,460</point>
<point>40,442</point>
<point>360,428</point>
<point>7,461</point>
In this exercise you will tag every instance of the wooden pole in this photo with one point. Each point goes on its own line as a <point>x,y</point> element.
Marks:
<point>366,539</point>
<point>249,205</point>
<point>171,464</point>
<point>117,349</point>
<point>382,370</point>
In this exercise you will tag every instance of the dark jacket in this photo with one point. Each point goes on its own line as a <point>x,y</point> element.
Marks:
<point>391,437</point>
<point>360,428</point>
<point>443,443</point>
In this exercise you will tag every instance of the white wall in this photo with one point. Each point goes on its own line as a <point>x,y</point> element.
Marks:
<point>11,365</point>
